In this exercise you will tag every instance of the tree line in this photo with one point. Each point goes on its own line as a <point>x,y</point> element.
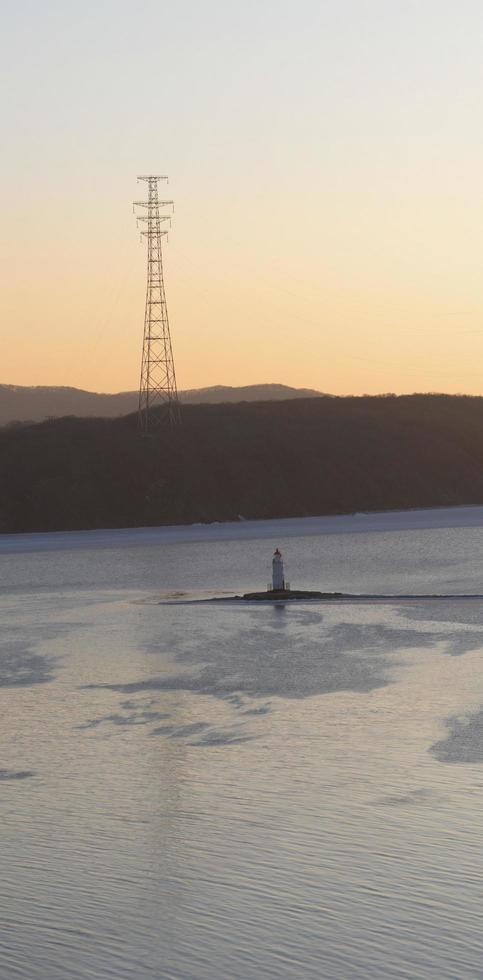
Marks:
<point>252,460</point>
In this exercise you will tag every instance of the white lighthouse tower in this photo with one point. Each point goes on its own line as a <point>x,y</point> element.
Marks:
<point>278,575</point>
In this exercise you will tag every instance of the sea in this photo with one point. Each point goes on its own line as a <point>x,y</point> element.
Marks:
<point>200,790</point>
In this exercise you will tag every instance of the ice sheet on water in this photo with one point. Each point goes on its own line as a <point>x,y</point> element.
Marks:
<point>422,795</point>
<point>437,517</point>
<point>20,666</point>
<point>296,662</point>
<point>464,743</point>
<point>6,775</point>
<point>296,816</point>
<point>136,717</point>
<point>459,623</point>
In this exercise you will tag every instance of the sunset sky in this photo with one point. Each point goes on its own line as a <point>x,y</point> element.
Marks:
<point>326,162</point>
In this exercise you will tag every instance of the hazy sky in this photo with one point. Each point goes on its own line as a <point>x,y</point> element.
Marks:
<point>326,160</point>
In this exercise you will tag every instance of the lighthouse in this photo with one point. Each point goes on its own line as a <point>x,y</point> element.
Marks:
<point>278,576</point>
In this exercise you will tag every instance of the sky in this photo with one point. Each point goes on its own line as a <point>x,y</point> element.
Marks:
<point>326,163</point>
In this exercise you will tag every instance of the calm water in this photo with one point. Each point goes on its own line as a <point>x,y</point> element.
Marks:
<point>205,791</point>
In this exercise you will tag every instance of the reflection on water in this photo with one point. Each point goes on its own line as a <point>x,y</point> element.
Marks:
<point>225,791</point>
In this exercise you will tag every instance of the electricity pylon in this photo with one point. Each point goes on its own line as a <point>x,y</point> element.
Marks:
<point>157,388</point>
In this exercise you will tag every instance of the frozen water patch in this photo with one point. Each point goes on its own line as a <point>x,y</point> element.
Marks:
<point>7,775</point>
<point>412,798</point>
<point>214,738</point>
<point>294,664</point>
<point>181,731</point>
<point>127,720</point>
<point>20,667</point>
<point>460,625</point>
<point>359,523</point>
<point>464,743</point>
<point>262,710</point>
<point>201,733</point>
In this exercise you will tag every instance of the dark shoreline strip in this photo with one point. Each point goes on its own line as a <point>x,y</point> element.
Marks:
<point>335,597</point>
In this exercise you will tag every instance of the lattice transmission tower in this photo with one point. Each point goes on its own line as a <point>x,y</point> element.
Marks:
<point>158,395</point>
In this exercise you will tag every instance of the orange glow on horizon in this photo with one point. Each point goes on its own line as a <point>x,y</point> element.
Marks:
<point>327,231</point>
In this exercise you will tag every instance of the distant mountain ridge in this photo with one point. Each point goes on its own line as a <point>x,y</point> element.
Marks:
<point>34,404</point>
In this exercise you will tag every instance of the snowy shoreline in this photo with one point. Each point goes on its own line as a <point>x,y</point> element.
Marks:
<point>276,528</point>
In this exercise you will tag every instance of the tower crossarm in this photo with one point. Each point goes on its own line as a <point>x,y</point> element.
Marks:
<point>153,217</point>
<point>149,204</point>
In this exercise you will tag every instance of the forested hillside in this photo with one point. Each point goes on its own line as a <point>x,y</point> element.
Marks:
<point>257,460</point>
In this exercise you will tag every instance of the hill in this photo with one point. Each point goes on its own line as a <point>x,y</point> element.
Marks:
<point>259,460</point>
<point>36,404</point>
